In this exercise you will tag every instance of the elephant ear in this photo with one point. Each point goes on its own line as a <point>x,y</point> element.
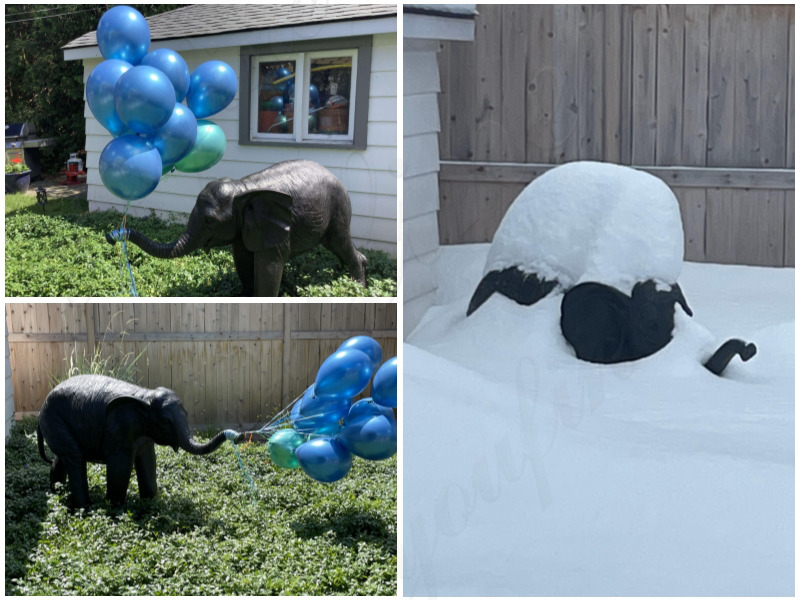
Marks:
<point>265,217</point>
<point>121,413</point>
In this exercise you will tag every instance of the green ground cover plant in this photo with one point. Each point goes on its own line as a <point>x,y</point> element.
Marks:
<point>206,533</point>
<point>61,251</point>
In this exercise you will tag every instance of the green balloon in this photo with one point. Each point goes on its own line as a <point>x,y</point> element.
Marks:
<point>281,447</point>
<point>207,150</point>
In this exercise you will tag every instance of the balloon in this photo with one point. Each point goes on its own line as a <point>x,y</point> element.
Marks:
<point>384,387</point>
<point>100,94</point>
<point>311,414</point>
<point>368,346</point>
<point>344,374</point>
<point>275,103</point>
<point>130,167</point>
<point>212,86</point>
<point>281,447</point>
<point>176,138</point>
<point>209,146</point>
<point>366,407</point>
<point>123,33</point>
<point>282,73</point>
<point>144,99</point>
<point>371,437</point>
<point>313,96</point>
<point>324,459</point>
<point>173,66</point>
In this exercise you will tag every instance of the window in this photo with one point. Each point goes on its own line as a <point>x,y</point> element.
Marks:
<point>309,96</point>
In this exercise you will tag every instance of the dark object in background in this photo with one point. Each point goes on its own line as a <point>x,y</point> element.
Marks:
<point>22,145</point>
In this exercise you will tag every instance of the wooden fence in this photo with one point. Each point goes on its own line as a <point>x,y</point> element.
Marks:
<point>232,364</point>
<point>707,91</point>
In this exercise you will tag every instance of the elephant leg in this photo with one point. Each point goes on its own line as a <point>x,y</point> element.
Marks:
<point>58,473</point>
<point>145,464</point>
<point>344,249</point>
<point>268,273</point>
<point>244,261</point>
<point>118,475</point>
<point>78,481</point>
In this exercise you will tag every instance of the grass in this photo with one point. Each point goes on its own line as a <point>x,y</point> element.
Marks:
<point>206,533</point>
<point>63,253</point>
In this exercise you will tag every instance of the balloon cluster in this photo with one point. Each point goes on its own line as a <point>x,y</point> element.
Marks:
<point>278,97</point>
<point>137,97</point>
<point>326,428</point>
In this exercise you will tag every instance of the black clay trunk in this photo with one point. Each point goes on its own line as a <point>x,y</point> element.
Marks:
<point>192,447</point>
<point>180,247</point>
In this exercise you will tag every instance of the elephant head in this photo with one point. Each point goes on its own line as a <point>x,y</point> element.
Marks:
<point>160,417</point>
<point>604,325</point>
<point>226,210</point>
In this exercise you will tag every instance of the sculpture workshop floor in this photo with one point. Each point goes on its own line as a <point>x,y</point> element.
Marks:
<point>533,473</point>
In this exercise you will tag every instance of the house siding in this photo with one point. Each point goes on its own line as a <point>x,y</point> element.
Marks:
<point>9,390</point>
<point>370,175</point>
<point>420,178</point>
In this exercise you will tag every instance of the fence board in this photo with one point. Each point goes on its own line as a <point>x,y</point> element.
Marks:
<point>670,86</point>
<point>788,236</point>
<point>237,381</point>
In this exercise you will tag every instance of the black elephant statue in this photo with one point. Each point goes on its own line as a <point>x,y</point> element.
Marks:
<point>604,325</point>
<point>99,419</point>
<point>268,217</point>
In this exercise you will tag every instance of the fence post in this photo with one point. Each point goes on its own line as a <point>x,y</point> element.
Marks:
<point>90,337</point>
<point>287,349</point>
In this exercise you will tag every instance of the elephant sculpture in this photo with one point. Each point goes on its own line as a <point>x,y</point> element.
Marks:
<point>98,419</point>
<point>267,217</point>
<point>590,230</point>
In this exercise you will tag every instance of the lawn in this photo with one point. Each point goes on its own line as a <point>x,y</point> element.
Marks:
<point>206,533</point>
<point>62,252</point>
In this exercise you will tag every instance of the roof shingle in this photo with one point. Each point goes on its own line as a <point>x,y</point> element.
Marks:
<point>215,19</point>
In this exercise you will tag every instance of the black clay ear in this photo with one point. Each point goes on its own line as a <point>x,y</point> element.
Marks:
<point>265,217</point>
<point>595,320</point>
<point>521,287</point>
<point>123,401</point>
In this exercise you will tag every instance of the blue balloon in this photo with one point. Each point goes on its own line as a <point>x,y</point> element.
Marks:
<point>324,459</point>
<point>173,66</point>
<point>283,73</point>
<point>123,33</point>
<point>368,346</point>
<point>384,386</point>
<point>212,87</point>
<point>312,414</point>
<point>344,374</point>
<point>130,167</point>
<point>100,94</point>
<point>144,99</point>
<point>367,407</point>
<point>175,139</point>
<point>275,103</point>
<point>313,96</point>
<point>373,438</point>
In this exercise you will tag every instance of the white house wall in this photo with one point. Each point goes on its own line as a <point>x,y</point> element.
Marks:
<point>369,175</point>
<point>420,178</point>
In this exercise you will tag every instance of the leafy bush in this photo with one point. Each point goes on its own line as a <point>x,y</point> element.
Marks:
<point>63,253</point>
<point>206,533</point>
<point>20,167</point>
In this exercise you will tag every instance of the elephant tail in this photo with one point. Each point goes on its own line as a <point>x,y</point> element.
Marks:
<point>725,353</point>
<point>40,441</point>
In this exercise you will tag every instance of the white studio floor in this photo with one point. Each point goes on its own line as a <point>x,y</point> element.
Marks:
<point>529,472</point>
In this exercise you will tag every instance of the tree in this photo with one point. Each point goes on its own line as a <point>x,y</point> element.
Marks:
<point>41,86</point>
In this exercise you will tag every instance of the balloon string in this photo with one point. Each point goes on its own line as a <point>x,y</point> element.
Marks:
<point>121,234</point>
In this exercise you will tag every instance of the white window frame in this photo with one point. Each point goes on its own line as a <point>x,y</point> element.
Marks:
<point>302,62</point>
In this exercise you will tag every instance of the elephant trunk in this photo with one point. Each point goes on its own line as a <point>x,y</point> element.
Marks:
<point>185,244</point>
<point>192,447</point>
